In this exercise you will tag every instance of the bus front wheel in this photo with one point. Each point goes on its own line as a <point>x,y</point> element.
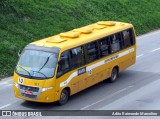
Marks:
<point>114,75</point>
<point>63,97</point>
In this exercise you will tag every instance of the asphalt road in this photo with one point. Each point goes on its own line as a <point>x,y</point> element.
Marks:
<point>137,88</point>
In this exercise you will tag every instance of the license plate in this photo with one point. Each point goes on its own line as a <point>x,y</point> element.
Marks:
<point>28,92</point>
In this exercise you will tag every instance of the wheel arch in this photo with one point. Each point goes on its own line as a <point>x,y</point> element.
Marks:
<point>68,90</point>
<point>117,67</point>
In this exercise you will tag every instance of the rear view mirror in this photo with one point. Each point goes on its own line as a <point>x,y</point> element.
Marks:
<point>19,53</point>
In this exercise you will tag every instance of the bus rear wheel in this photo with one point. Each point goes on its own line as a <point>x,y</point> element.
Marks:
<point>63,97</point>
<point>114,75</point>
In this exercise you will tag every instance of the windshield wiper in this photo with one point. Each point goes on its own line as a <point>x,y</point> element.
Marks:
<point>43,67</point>
<point>44,63</point>
<point>25,70</point>
<point>41,73</point>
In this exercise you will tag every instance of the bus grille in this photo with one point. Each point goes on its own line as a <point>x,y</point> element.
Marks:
<point>29,88</point>
<point>33,90</point>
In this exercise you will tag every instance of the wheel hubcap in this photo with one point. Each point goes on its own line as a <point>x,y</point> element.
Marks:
<point>63,96</point>
<point>114,75</point>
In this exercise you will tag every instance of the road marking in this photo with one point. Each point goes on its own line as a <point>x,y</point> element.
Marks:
<point>92,104</point>
<point>5,106</point>
<point>150,51</point>
<point>155,49</point>
<point>3,83</point>
<point>84,108</point>
<point>130,86</point>
<point>139,55</point>
<point>147,35</point>
<point>120,90</point>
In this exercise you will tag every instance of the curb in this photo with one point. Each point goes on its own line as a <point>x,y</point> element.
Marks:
<point>7,78</point>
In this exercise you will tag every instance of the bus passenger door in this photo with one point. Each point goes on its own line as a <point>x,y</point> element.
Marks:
<point>76,61</point>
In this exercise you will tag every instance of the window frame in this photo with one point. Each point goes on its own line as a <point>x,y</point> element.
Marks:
<point>71,68</point>
<point>107,39</point>
<point>132,42</point>
<point>119,42</point>
<point>82,55</point>
<point>96,50</point>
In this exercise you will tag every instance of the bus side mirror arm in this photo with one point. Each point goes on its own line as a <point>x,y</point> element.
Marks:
<point>19,53</point>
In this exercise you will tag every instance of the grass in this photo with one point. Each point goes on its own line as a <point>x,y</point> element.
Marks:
<point>24,21</point>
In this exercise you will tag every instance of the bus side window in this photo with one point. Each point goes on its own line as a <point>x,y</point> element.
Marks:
<point>131,35</point>
<point>92,51</point>
<point>128,37</point>
<point>104,46</point>
<point>77,57</point>
<point>63,65</point>
<point>115,43</point>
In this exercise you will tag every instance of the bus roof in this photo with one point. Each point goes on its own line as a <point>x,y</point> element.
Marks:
<point>83,35</point>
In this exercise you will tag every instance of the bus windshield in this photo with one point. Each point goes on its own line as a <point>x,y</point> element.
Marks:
<point>37,64</point>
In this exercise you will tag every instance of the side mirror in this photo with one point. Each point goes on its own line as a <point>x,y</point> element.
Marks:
<point>19,53</point>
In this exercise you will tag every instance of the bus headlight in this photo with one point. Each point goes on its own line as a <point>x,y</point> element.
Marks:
<point>45,89</point>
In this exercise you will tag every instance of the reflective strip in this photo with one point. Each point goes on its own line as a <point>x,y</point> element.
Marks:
<point>70,78</point>
<point>88,68</point>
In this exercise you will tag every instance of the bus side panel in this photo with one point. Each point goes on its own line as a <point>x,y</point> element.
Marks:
<point>72,80</point>
<point>100,73</point>
<point>62,82</point>
<point>82,81</point>
<point>134,55</point>
<point>126,60</point>
<point>91,80</point>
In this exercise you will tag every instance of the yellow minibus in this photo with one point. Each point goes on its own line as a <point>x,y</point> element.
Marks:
<point>54,68</point>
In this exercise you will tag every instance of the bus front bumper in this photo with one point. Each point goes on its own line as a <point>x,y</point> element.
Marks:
<point>34,94</point>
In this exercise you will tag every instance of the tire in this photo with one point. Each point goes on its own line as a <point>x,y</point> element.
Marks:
<point>114,75</point>
<point>63,97</point>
